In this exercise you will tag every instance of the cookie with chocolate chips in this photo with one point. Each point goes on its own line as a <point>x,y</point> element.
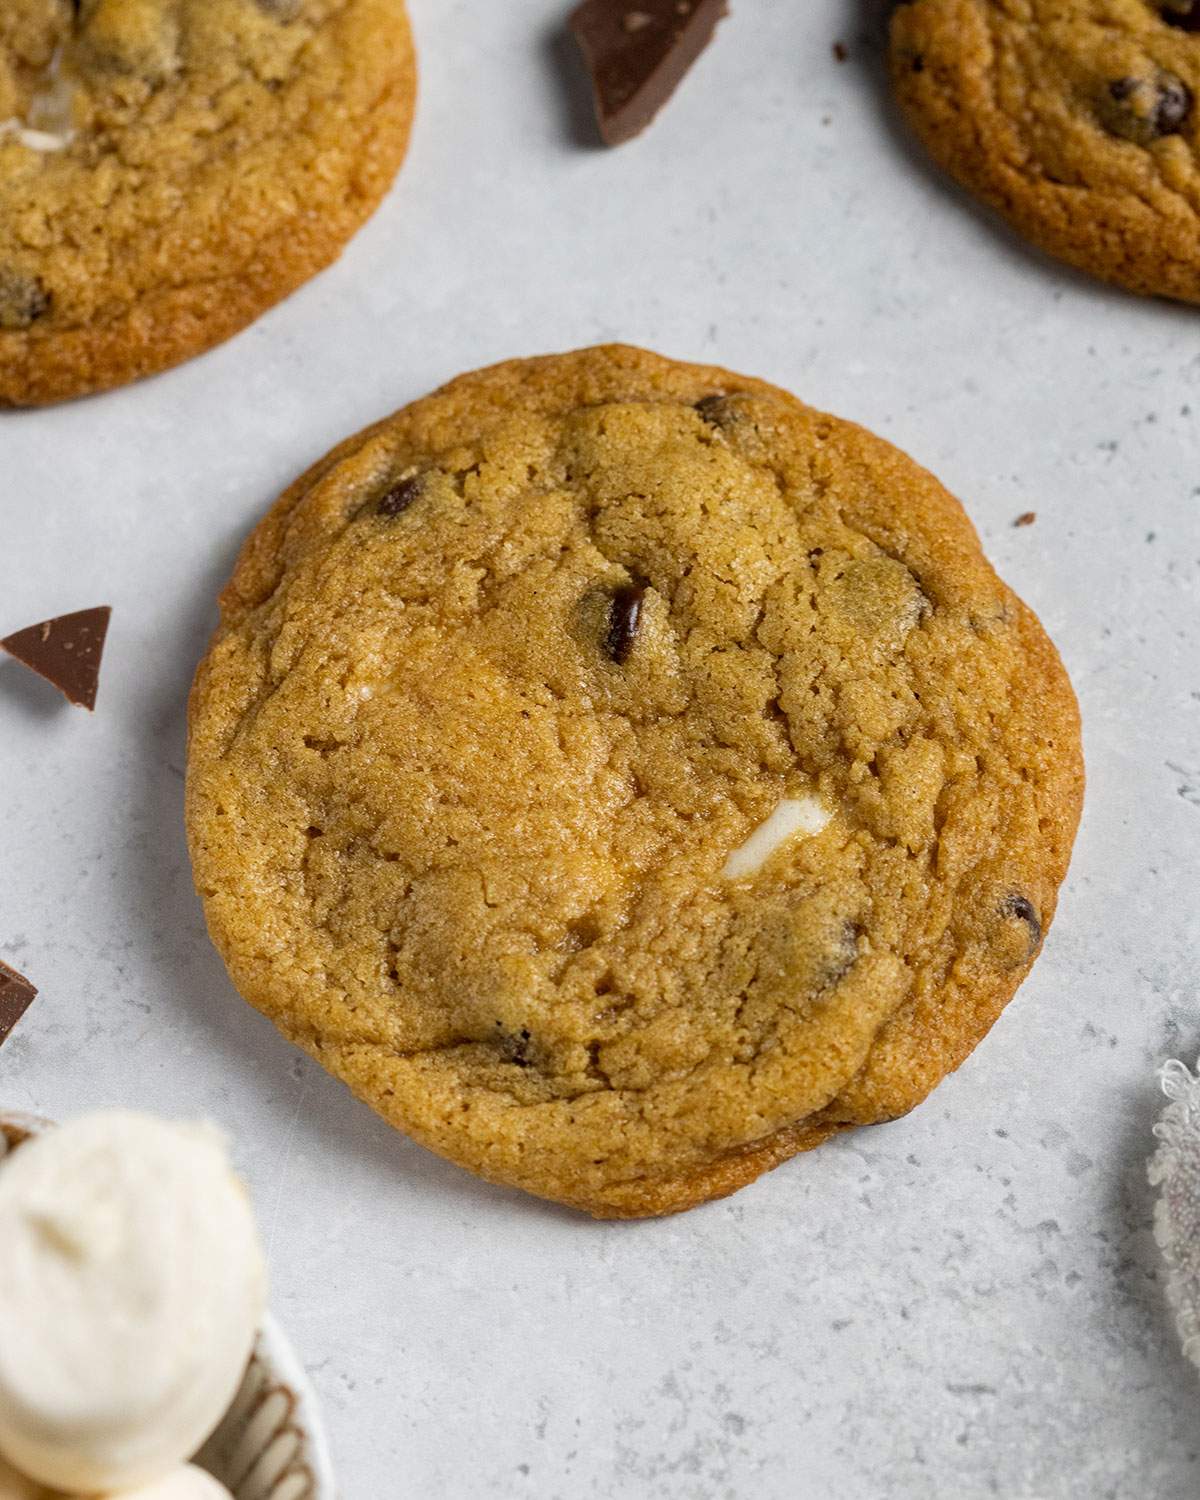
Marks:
<point>1078,120</point>
<point>169,169</point>
<point>625,776</point>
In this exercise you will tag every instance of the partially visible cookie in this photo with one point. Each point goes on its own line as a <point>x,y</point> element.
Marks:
<point>1078,120</point>
<point>625,776</point>
<point>169,169</point>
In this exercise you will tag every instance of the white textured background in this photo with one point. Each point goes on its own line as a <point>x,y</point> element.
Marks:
<point>965,1303</point>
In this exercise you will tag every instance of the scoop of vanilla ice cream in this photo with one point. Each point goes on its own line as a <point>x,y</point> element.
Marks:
<point>15,1486</point>
<point>185,1482</point>
<point>131,1287</point>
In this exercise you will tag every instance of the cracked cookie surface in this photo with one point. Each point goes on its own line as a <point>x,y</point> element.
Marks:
<point>624,776</point>
<point>1078,120</point>
<point>169,169</point>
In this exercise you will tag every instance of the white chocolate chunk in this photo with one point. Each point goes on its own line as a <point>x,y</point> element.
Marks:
<point>49,121</point>
<point>36,140</point>
<point>793,816</point>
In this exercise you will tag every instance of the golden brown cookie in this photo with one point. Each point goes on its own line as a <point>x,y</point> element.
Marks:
<point>169,169</point>
<point>1075,119</point>
<point>624,776</point>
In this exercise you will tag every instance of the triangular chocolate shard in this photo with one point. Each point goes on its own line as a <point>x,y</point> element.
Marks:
<point>637,52</point>
<point>66,652</point>
<point>16,996</point>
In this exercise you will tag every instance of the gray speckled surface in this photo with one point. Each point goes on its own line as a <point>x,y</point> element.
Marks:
<point>964,1303</point>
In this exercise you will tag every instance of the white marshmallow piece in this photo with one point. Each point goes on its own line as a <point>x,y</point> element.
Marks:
<point>795,816</point>
<point>131,1288</point>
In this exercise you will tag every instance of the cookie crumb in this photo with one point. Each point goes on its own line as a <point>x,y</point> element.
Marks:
<point>840,52</point>
<point>1026,518</point>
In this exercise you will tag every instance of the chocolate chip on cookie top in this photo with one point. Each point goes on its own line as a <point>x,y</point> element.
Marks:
<point>170,168</point>
<point>669,784</point>
<point>1076,119</point>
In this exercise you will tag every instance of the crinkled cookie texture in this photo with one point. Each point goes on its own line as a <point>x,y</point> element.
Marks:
<point>1079,120</point>
<point>504,683</point>
<point>171,168</point>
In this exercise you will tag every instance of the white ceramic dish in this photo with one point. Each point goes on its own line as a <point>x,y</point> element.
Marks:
<point>270,1444</point>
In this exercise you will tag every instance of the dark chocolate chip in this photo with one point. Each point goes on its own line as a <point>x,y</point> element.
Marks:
<point>16,996</point>
<point>713,408</point>
<point>1020,908</point>
<point>1173,107</point>
<point>401,496</point>
<point>918,63</point>
<point>66,652</point>
<point>23,299</point>
<point>624,619</point>
<point>1143,110</point>
<point>1185,14</point>
<point>842,956</point>
<point>514,1045</point>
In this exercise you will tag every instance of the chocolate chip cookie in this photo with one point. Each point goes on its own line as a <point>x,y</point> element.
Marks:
<point>171,168</point>
<point>625,776</point>
<point>1078,120</point>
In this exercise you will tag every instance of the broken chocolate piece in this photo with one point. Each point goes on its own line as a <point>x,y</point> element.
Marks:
<point>1023,910</point>
<point>16,996</point>
<point>637,52</point>
<point>66,652</point>
<point>23,300</point>
<point>400,496</point>
<point>624,617</point>
<point>1182,13</point>
<point>1143,110</point>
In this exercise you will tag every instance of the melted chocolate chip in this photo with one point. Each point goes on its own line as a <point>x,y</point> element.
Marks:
<point>1182,13</point>
<point>401,496</point>
<point>1020,908</point>
<point>1144,110</point>
<point>23,299</point>
<point>514,1045</point>
<point>624,618</point>
<point>1173,107</point>
<point>712,408</point>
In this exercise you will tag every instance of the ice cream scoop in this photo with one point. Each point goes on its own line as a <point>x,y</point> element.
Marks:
<point>15,1486</point>
<point>185,1482</point>
<point>131,1287</point>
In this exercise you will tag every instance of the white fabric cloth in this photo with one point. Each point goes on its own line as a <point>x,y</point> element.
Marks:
<point>1175,1171</point>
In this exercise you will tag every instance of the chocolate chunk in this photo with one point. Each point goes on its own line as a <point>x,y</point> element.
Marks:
<point>400,496</point>
<point>23,299</point>
<point>1182,13</point>
<point>1143,110</point>
<point>66,652</point>
<point>713,408</point>
<point>514,1046</point>
<point>1173,107</point>
<point>638,53</point>
<point>624,618</point>
<point>16,996</point>
<point>1020,908</point>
